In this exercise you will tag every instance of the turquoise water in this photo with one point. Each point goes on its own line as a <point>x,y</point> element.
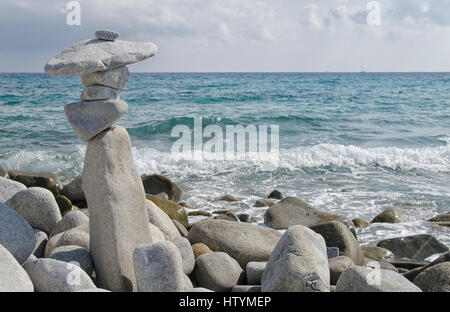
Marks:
<point>352,144</point>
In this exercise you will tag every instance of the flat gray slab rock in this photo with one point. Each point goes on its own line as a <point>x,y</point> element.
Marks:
<point>417,247</point>
<point>116,78</point>
<point>16,234</point>
<point>118,220</point>
<point>88,119</point>
<point>298,263</point>
<point>245,242</point>
<point>361,279</point>
<point>108,35</point>
<point>294,211</point>
<point>94,93</point>
<point>217,271</point>
<point>50,275</point>
<point>8,188</point>
<point>93,55</point>
<point>38,206</point>
<point>13,276</point>
<point>158,268</point>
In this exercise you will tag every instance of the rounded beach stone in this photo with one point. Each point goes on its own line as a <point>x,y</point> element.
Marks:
<point>362,279</point>
<point>245,242</point>
<point>229,198</point>
<point>45,180</point>
<point>108,35</point>
<point>294,211</point>
<point>360,223</point>
<point>13,276</point>
<point>98,55</point>
<point>217,271</point>
<point>41,242</point>
<point>94,93</point>
<point>88,119</point>
<point>160,219</point>
<point>50,275</point>
<point>116,78</point>
<point>187,255</point>
<point>172,209</point>
<point>74,190</point>
<point>275,194</point>
<point>16,234</point>
<point>391,215</point>
<point>336,234</point>
<point>337,266</point>
<point>298,263</point>
<point>264,203</point>
<point>435,278</point>
<point>377,253</point>
<point>199,249</point>
<point>254,272</point>
<point>64,204</point>
<point>74,254</point>
<point>181,228</point>
<point>38,206</point>
<point>77,236</point>
<point>158,268</point>
<point>3,172</point>
<point>412,274</point>
<point>156,183</point>
<point>246,288</point>
<point>8,188</point>
<point>71,220</point>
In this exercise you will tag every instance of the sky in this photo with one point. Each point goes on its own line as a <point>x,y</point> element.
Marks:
<point>239,35</point>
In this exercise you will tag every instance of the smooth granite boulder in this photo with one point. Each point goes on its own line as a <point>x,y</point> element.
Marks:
<point>294,211</point>
<point>94,93</point>
<point>160,219</point>
<point>187,255</point>
<point>172,209</point>
<point>16,234</point>
<point>108,35</point>
<point>156,183</point>
<point>8,188</point>
<point>254,272</point>
<point>391,215</point>
<point>337,266</point>
<point>13,277</point>
<point>88,119</point>
<point>435,278</point>
<point>64,204</point>
<point>181,228</point>
<point>116,78</point>
<point>74,190</point>
<point>78,236</point>
<point>275,194</point>
<point>417,247</point>
<point>218,271</point>
<point>156,234</point>
<point>338,235</point>
<point>377,253</point>
<point>244,242</point>
<point>412,274</point>
<point>38,206</point>
<point>199,249</point>
<point>298,263</point>
<point>362,279</point>
<point>93,55</point>
<point>74,254</point>
<point>3,172</point>
<point>45,180</point>
<point>360,223</point>
<point>158,268</point>
<point>118,219</point>
<point>71,220</point>
<point>41,242</point>
<point>50,275</point>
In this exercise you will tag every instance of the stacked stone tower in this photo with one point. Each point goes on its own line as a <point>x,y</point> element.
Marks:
<point>112,185</point>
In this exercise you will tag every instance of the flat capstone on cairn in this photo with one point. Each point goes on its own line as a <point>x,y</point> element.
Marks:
<point>114,191</point>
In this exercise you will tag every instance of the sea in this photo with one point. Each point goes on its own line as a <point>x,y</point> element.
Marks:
<point>353,144</point>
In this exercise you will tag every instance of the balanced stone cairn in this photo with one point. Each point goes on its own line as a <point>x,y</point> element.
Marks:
<point>113,188</point>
